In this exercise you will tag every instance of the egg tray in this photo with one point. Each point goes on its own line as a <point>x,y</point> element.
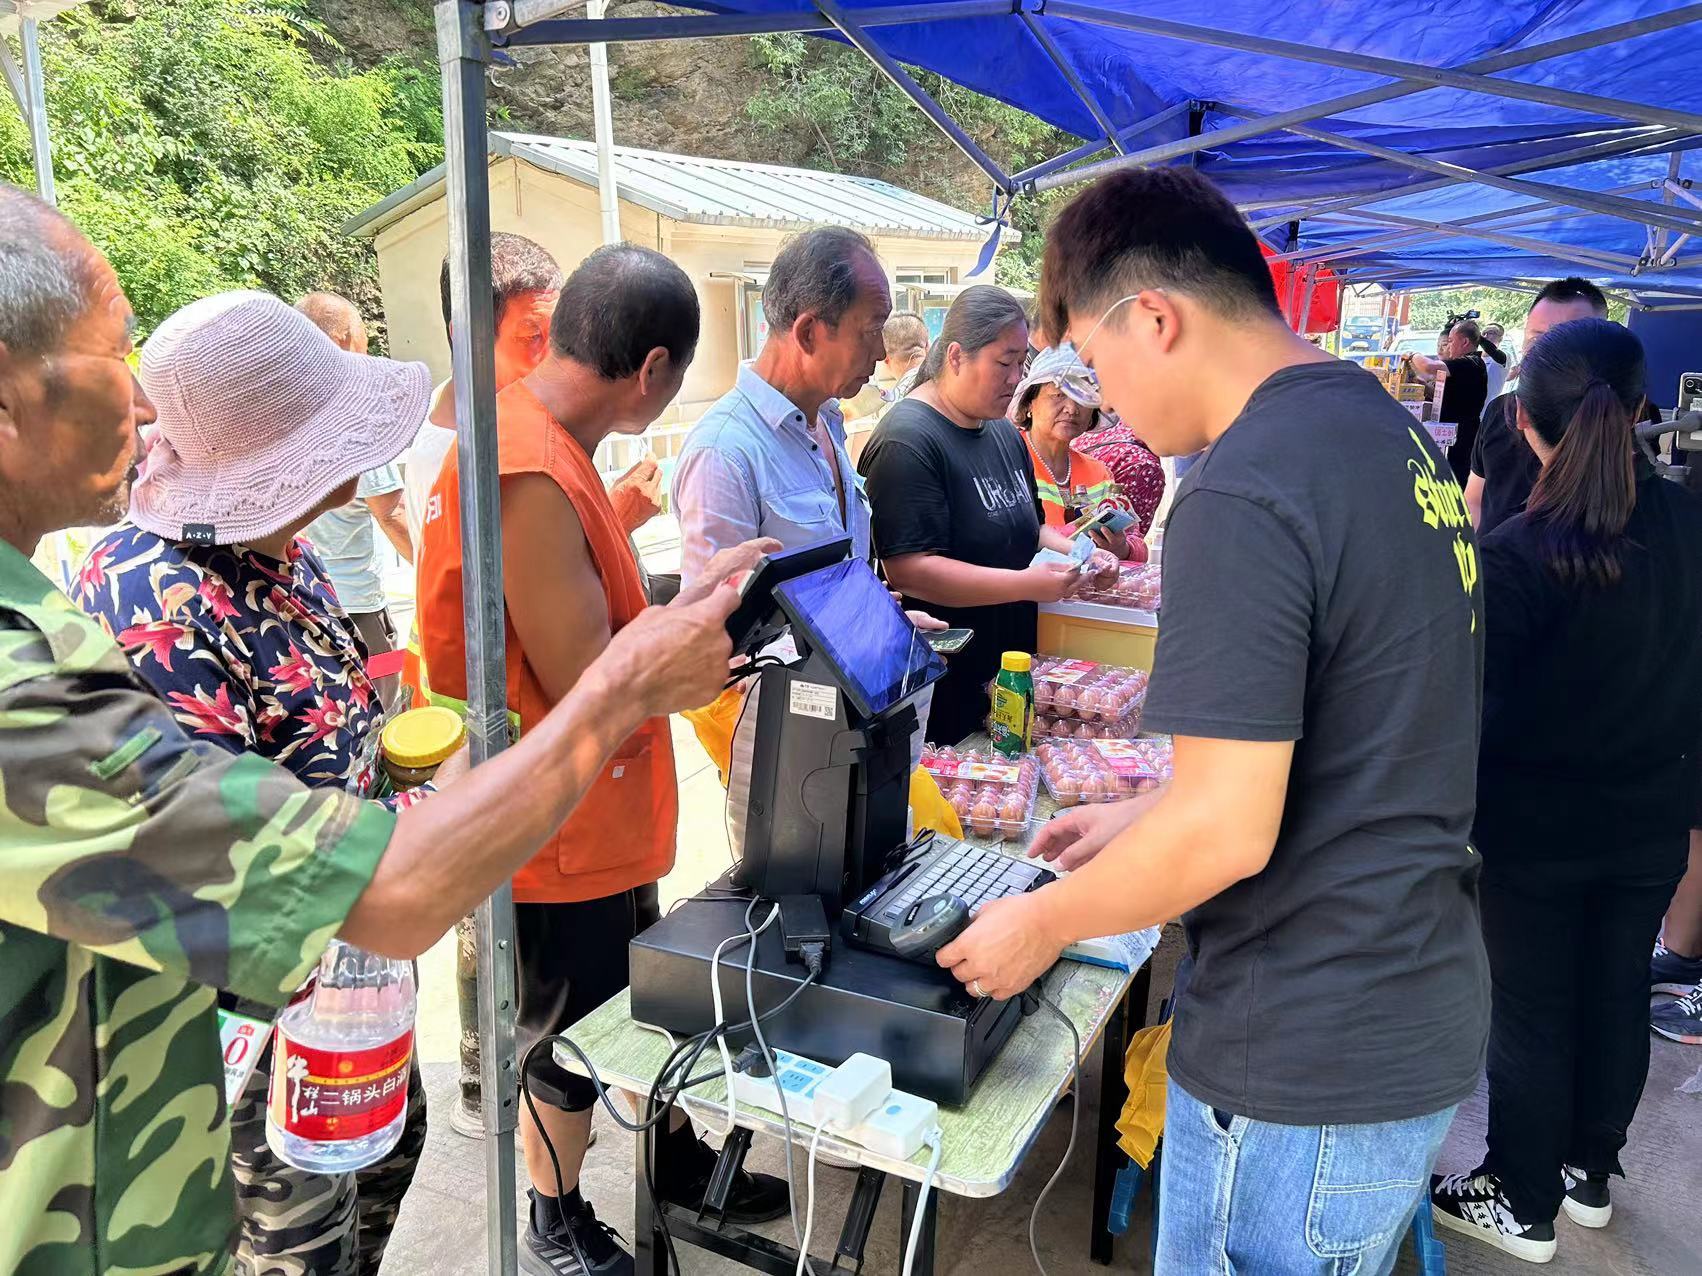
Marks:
<point>1087,690</point>
<point>993,795</point>
<point>1079,773</point>
<point>1136,587</point>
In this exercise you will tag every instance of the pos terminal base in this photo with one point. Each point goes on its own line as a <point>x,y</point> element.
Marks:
<point>937,1038</point>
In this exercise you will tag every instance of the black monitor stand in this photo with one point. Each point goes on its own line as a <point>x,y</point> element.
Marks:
<point>817,795</point>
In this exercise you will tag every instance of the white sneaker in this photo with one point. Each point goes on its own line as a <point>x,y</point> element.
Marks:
<point>1586,1201</point>
<point>1474,1205</point>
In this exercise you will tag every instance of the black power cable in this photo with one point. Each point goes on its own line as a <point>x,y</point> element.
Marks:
<point>664,1090</point>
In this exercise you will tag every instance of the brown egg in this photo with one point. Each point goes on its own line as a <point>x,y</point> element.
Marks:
<point>981,817</point>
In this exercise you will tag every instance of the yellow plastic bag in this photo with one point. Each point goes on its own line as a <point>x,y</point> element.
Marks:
<point>714,724</point>
<point>1146,1071</point>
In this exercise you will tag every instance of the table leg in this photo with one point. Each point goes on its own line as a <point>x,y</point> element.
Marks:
<point>650,1250</point>
<point>930,1226</point>
<point>1113,1093</point>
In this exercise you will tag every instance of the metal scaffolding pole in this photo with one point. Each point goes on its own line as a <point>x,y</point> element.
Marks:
<point>604,125</point>
<point>1501,219</point>
<point>1342,59</point>
<point>26,86</point>
<point>463,52</point>
<point>1383,93</point>
<point>1598,257</point>
<point>1090,149</point>
<point>890,68</point>
<point>1043,37</point>
<point>1656,140</point>
<point>1610,205</point>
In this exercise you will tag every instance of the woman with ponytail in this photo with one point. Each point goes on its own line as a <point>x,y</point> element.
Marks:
<point>1592,701</point>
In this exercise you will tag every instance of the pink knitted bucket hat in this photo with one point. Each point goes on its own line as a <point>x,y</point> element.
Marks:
<point>261,416</point>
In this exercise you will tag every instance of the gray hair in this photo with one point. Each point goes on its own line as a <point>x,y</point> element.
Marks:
<point>44,286</point>
<point>975,321</point>
<point>815,273</point>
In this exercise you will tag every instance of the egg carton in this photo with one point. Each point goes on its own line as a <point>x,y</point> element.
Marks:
<point>993,795</point>
<point>1078,772</point>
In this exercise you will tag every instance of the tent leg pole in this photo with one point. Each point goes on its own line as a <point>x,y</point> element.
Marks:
<point>463,52</point>
<point>30,37</point>
<point>603,118</point>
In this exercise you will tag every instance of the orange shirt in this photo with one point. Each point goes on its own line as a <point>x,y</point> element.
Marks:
<point>1084,472</point>
<point>621,834</point>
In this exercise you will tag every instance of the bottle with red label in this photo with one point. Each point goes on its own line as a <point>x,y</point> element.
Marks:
<point>340,1060</point>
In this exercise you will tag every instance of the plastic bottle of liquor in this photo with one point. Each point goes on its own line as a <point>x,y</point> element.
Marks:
<point>340,1059</point>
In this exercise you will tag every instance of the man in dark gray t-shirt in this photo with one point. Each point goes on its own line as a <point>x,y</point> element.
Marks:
<point>1320,665</point>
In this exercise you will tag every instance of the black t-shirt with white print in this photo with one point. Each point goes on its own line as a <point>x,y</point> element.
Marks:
<point>965,494</point>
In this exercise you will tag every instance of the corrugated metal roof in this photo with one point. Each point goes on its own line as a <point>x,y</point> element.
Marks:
<point>713,192</point>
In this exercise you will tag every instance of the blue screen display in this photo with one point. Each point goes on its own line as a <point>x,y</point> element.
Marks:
<point>845,610</point>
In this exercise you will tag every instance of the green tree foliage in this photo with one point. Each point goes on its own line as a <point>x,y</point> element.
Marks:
<point>202,145</point>
<point>1430,310</point>
<point>860,123</point>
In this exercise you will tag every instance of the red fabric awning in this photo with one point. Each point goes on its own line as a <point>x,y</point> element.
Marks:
<point>1324,313</point>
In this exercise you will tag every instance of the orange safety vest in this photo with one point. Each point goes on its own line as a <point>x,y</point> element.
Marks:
<point>621,834</point>
<point>1084,472</point>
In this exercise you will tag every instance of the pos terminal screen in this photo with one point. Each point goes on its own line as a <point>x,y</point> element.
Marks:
<point>846,612</point>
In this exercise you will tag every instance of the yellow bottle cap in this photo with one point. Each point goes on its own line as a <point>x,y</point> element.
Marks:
<point>1017,661</point>
<point>423,737</point>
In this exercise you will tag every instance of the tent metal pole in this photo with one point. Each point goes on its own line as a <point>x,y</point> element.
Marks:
<point>1043,37</point>
<point>511,29</point>
<point>1655,139</point>
<point>1433,77</point>
<point>35,114</point>
<point>1093,148</point>
<point>463,52</point>
<point>1610,205</point>
<point>603,126</point>
<point>1571,252</point>
<point>1304,314</point>
<point>915,92</point>
<point>1673,162</point>
<point>1502,219</point>
<point>1401,88</point>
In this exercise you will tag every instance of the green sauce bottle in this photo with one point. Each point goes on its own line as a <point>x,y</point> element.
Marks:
<point>1013,705</point>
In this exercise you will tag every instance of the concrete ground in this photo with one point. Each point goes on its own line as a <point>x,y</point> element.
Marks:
<point>1656,1230</point>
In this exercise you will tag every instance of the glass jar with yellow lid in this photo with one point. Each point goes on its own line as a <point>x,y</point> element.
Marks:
<point>413,744</point>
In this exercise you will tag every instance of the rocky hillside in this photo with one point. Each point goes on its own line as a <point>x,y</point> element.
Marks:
<point>783,99</point>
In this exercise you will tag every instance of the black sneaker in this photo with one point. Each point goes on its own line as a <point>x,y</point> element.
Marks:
<point>572,1243</point>
<point>1680,1020</point>
<point>1474,1205</point>
<point>754,1198</point>
<point>1671,972</point>
<point>1586,1201</point>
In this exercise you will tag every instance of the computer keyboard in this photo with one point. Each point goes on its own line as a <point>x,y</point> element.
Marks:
<point>975,875</point>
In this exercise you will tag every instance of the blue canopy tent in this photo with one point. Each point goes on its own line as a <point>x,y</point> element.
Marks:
<point>1450,143</point>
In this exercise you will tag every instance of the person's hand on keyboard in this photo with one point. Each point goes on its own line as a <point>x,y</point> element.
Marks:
<point>1070,840</point>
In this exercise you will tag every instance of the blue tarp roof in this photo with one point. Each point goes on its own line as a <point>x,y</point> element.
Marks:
<point>1133,76</point>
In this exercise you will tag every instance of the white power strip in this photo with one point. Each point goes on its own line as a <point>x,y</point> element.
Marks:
<point>896,1125</point>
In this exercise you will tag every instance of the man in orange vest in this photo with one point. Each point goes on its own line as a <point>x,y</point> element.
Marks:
<point>621,338</point>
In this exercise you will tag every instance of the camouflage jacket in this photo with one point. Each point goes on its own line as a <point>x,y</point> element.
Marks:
<point>139,871</point>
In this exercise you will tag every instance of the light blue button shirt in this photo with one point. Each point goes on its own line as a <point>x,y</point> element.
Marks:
<point>752,468</point>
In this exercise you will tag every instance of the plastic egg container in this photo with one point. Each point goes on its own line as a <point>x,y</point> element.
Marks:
<point>993,795</point>
<point>1137,586</point>
<point>1103,770</point>
<point>1087,691</point>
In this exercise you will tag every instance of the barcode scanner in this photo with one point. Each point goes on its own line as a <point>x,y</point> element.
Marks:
<point>928,926</point>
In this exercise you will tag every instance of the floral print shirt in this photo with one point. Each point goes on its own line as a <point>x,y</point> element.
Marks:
<point>1134,467</point>
<point>252,653</point>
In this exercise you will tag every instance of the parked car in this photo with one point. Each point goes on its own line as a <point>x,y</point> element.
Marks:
<point>1410,342</point>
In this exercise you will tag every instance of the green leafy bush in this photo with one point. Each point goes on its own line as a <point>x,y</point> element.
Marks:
<point>202,145</point>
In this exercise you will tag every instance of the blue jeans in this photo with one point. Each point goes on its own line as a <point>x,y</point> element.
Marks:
<point>1254,1198</point>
